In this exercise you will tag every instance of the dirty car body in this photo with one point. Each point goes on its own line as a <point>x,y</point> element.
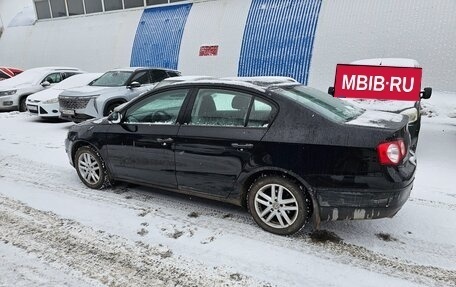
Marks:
<point>336,153</point>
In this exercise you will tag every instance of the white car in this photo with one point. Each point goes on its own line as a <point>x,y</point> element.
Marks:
<point>14,91</point>
<point>46,103</point>
<point>112,89</point>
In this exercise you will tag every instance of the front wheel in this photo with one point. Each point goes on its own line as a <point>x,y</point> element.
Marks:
<point>278,205</point>
<point>23,104</point>
<point>91,168</point>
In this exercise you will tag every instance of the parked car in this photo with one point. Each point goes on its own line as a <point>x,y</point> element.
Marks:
<point>109,91</point>
<point>46,103</point>
<point>14,91</point>
<point>412,109</point>
<point>6,72</point>
<point>287,152</point>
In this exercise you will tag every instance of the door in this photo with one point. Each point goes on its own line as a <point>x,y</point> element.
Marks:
<point>221,136</point>
<point>141,146</point>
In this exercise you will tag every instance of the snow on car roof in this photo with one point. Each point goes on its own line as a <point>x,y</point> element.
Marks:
<point>188,78</point>
<point>32,76</point>
<point>262,79</point>
<point>76,81</point>
<point>222,82</point>
<point>132,69</point>
<point>392,62</point>
<point>381,105</point>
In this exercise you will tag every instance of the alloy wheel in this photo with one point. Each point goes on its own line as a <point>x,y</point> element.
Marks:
<point>89,168</point>
<point>276,206</point>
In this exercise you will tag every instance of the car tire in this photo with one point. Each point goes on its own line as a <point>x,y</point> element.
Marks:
<point>110,108</point>
<point>91,168</point>
<point>278,205</point>
<point>23,104</point>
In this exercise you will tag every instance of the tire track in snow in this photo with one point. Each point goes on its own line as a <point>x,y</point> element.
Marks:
<point>107,258</point>
<point>432,203</point>
<point>22,170</point>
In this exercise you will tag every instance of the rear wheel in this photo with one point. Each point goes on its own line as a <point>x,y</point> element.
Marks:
<point>278,205</point>
<point>91,168</point>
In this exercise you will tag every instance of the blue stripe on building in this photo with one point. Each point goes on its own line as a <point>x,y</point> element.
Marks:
<point>159,35</point>
<point>278,38</point>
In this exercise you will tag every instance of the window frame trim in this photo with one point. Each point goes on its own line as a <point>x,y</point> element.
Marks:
<point>188,113</point>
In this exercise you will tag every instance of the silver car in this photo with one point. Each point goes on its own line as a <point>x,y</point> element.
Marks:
<point>109,91</point>
<point>14,91</point>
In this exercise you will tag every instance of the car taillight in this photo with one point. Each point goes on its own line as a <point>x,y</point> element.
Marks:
<point>391,153</point>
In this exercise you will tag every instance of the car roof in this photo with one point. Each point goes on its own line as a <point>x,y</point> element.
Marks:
<point>188,78</point>
<point>55,69</point>
<point>234,83</point>
<point>134,69</point>
<point>263,81</point>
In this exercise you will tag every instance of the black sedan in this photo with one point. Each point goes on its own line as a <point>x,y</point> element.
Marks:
<point>287,152</point>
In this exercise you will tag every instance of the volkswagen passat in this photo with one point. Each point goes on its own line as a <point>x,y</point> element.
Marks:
<point>287,152</point>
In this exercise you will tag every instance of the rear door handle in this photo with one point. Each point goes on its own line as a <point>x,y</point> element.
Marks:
<point>247,146</point>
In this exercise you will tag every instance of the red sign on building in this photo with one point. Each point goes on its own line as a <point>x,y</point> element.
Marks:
<point>208,51</point>
<point>378,82</point>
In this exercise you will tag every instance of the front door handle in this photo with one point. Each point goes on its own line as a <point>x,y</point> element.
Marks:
<point>242,146</point>
<point>167,140</point>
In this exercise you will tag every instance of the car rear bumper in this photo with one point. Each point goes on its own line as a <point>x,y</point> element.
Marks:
<point>361,204</point>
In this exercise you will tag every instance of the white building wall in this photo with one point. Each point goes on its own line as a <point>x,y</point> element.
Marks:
<point>219,23</point>
<point>347,30</point>
<point>350,30</point>
<point>10,8</point>
<point>93,43</point>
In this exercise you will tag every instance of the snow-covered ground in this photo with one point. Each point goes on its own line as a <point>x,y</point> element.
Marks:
<point>56,232</point>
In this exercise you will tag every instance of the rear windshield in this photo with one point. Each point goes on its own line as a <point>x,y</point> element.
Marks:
<point>321,103</point>
<point>113,79</point>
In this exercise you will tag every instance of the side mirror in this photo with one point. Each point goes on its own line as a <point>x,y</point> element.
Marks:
<point>426,93</point>
<point>134,85</point>
<point>331,91</point>
<point>115,117</point>
<point>45,84</point>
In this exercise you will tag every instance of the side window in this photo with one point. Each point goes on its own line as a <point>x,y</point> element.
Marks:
<point>66,75</point>
<point>260,115</point>
<point>161,108</point>
<point>216,107</point>
<point>141,77</point>
<point>158,75</point>
<point>173,74</point>
<point>53,78</point>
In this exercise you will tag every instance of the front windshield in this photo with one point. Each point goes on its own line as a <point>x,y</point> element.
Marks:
<point>113,79</point>
<point>321,103</point>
